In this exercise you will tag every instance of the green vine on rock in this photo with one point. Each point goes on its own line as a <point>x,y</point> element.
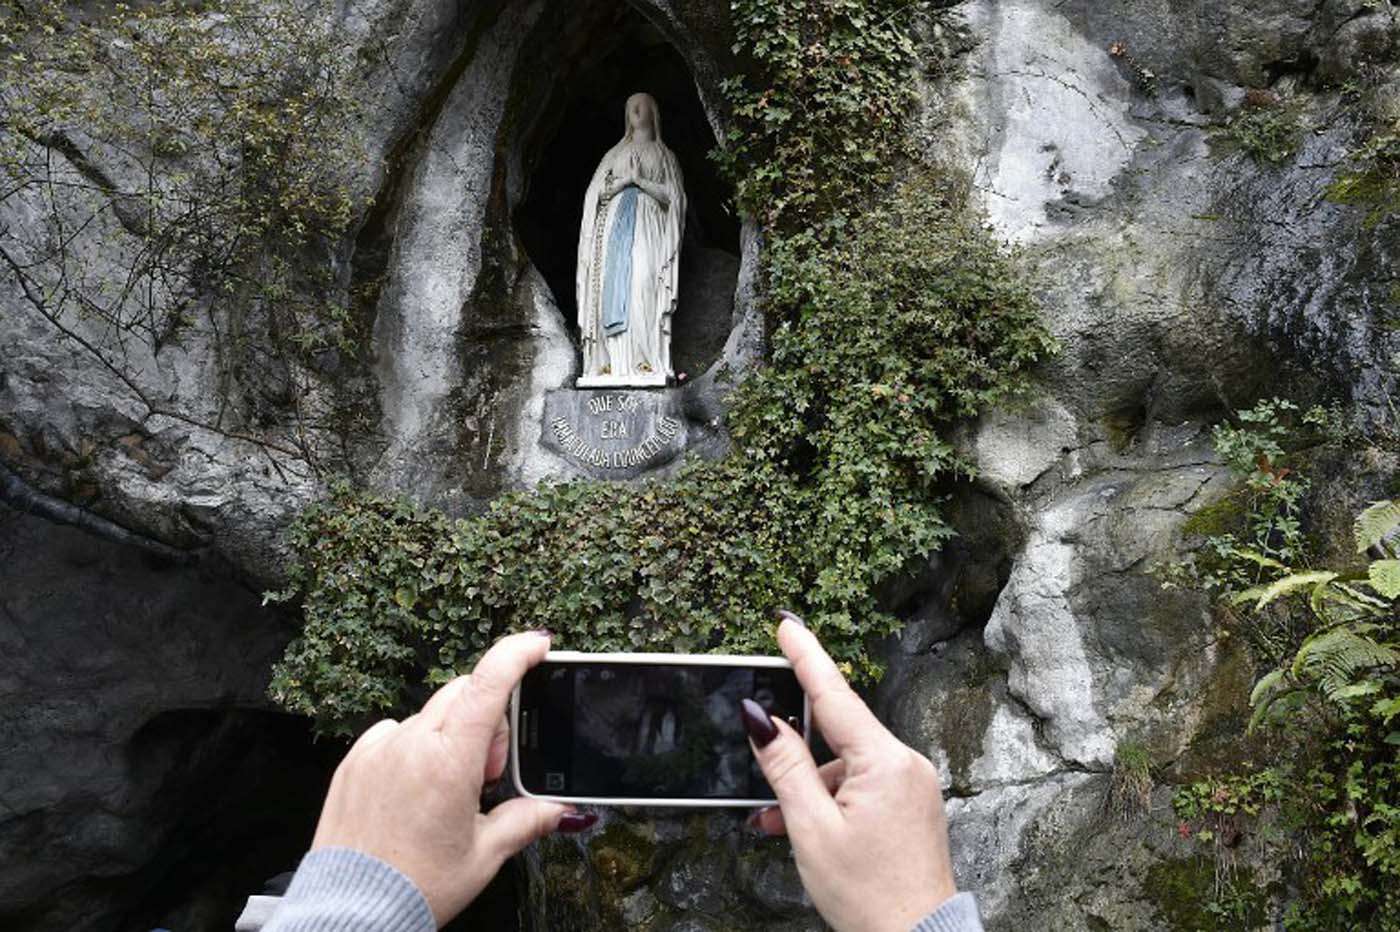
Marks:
<point>824,126</point>
<point>895,313</point>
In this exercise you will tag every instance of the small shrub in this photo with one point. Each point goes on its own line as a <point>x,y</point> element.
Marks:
<point>1269,132</point>
<point>1253,533</point>
<point>1130,793</point>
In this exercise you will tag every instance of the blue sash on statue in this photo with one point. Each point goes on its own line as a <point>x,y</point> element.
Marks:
<point>617,267</point>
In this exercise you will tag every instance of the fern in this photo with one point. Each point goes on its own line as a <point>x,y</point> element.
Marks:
<point>1257,558</point>
<point>1272,687</point>
<point>1384,577</point>
<point>1331,700</point>
<point>1332,658</point>
<point>1289,584</point>
<point>1376,523</point>
<point>1354,650</point>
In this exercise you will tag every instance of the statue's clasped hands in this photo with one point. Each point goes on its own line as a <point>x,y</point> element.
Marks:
<point>634,180</point>
<point>617,184</point>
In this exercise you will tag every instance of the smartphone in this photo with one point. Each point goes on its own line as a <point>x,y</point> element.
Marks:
<point>647,729</point>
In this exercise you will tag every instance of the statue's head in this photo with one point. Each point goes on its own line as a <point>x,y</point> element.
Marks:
<point>642,113</point>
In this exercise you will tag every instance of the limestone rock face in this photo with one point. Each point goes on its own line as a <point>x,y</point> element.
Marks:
<point>1184,279</point>
<point>1081,650</point>
<point>1180,273</point>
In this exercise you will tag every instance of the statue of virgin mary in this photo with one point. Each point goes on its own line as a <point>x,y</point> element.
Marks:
<point>629,256</point>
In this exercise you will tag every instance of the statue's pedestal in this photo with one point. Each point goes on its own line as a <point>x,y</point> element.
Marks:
<point>622,381</point>
<point>616,433</point>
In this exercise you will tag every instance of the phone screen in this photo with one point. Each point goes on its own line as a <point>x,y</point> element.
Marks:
<point>646,731</point>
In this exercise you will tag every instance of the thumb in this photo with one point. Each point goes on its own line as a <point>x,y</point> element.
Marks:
<point>512,825</point>
<point>787,765</point>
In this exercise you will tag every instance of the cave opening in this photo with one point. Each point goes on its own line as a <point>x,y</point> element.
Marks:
<point>595,58</point>
<point>236,794</point>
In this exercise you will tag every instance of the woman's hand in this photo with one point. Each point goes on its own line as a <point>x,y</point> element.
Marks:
<point>409,793</point>
<point>867,830</point>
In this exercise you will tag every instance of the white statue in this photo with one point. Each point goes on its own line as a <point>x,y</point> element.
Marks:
<point>629,256</point>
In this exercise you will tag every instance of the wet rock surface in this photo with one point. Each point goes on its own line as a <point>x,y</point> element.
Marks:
<point>147,781</point>
<point>1184,279</point>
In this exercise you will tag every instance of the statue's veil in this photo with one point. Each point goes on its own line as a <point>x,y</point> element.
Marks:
<point>655,117</point>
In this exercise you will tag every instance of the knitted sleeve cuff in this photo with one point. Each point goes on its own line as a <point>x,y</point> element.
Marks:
<point>340,890</point>
<point>958,914</point>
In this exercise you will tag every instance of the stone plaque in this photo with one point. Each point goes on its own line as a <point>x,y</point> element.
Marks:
<point>617,433</point>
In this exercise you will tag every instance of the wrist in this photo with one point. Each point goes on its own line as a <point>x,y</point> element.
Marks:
<point>956,914</point>
<point>352,883</point>
<point>901,914</point>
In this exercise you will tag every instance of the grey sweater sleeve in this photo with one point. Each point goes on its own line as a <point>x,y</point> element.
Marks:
<point>958,914</point>
<point>340,890</point>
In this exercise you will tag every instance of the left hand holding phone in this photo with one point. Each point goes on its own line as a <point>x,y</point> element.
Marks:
<point>409,793</point>
<point>868,829</point>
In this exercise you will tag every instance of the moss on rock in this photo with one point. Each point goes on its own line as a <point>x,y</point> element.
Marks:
<point>1229,515</point>
<point>1220,741</point>
<point>624,855</point>
<point>1190,897</point>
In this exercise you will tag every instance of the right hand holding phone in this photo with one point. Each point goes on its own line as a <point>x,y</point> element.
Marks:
<point>868,830</point>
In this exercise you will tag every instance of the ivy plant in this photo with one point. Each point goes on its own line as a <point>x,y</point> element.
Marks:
<point>893,313</point>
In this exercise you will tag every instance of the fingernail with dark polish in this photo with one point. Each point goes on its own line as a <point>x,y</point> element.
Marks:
<point>795,722</point>
<point>755,820</point>
<point>757,723</point>
<point>571,822</point>
<point>785,614</point>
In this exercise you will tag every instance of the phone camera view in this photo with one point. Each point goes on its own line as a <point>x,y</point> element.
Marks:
<point>650,731</point>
